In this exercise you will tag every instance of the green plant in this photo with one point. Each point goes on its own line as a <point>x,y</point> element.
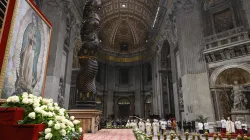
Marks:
<point>200,118</point>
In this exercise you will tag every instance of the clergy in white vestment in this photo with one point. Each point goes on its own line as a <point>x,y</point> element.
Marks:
<point>128,124</point>
<point>244,127</point>
<point>206,127</point>
<point>238,126</point>
<point>169,124</point>
<point>230,126</point>
<point>148,127</point>
<point>200,128</point>
<point>223,125</point>
<point>163,126</point>
<point>135,125</point>
<point>132,124</point>
<point>156,127</point>
<point>142,126</point>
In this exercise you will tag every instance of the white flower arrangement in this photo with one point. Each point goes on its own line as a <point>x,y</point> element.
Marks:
<point>38,110</point>
<point>140,135</point>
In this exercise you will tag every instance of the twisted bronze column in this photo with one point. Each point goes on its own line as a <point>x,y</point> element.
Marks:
<point>85,81</point>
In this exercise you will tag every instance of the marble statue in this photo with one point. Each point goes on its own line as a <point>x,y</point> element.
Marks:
<point>60,98</point>
<point>181,102</point>
<point>230,126</point>
<point>238,97</point>
<point>141,126</point>
<point>155,127</point>
<point>148,127</point>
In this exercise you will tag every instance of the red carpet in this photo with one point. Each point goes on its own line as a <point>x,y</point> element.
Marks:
<point>111,134</point>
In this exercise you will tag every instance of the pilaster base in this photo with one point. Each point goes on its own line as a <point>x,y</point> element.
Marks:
<point>90,119</point>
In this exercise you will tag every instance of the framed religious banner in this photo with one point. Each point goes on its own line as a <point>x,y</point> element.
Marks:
<point>6,12</point>
<point>26,51</point>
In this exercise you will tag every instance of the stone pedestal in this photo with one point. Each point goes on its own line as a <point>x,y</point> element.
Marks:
<point>85,105</point>
<point>242,115</point>
<point>90,119</point>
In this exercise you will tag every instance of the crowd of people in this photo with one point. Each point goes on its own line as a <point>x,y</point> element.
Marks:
<point>158,126</point>
<point>228,125</point>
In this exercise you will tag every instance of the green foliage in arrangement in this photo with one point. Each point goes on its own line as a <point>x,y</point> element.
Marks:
<point>38,110</point>
<point>140,135</point>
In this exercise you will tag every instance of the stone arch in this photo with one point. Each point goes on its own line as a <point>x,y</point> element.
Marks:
<point>124,101</point>
<point>219,70</point>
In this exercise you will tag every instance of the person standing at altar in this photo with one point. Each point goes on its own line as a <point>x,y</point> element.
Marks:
<point>223,125</point>
<point>128,124</point>
<point>200,127</point>
<point>148,127</point>
<point>135,125</point>
<point>132,124</point>
<point>244,127</point>
<point>142,126</point>
<point>174,124</point>
<point>169,124</point>
<point>206,127</point>
<point>238,126</point>
<point>163,126</point>
<point>230,126</point>
<point>155,127</point>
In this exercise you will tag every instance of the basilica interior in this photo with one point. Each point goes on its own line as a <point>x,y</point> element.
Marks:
<point>167,58</point>
<point>161,57</point>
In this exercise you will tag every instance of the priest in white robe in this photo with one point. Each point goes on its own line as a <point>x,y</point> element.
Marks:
<point>148,127</point>
<point>223,125</point>
<point>128,124</point>
<point>230,126</point>
<point>238,126</point>
<point>142,126</point>
<point>156,127</point>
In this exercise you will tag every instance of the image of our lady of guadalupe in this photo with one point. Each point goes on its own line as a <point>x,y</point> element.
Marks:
<point>27,77</point>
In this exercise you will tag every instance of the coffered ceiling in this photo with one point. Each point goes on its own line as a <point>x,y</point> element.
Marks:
<point>126,22</point>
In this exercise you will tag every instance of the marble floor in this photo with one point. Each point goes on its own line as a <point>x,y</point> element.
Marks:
<point>124,134</point>
<point>111,134</point>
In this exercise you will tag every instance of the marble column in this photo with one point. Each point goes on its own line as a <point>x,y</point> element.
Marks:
<point>195,82</point>
<point>157,90</point>
<point>54,13</point>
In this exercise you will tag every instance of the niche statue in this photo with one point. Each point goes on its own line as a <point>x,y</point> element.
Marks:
<point>239,98</point>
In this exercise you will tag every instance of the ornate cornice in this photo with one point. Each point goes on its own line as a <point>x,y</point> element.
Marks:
<point>185,6</point>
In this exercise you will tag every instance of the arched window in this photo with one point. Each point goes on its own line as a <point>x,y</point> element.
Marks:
<point>124,101</point>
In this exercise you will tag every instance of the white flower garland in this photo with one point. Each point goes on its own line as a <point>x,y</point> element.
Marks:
<point>40,110</point>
